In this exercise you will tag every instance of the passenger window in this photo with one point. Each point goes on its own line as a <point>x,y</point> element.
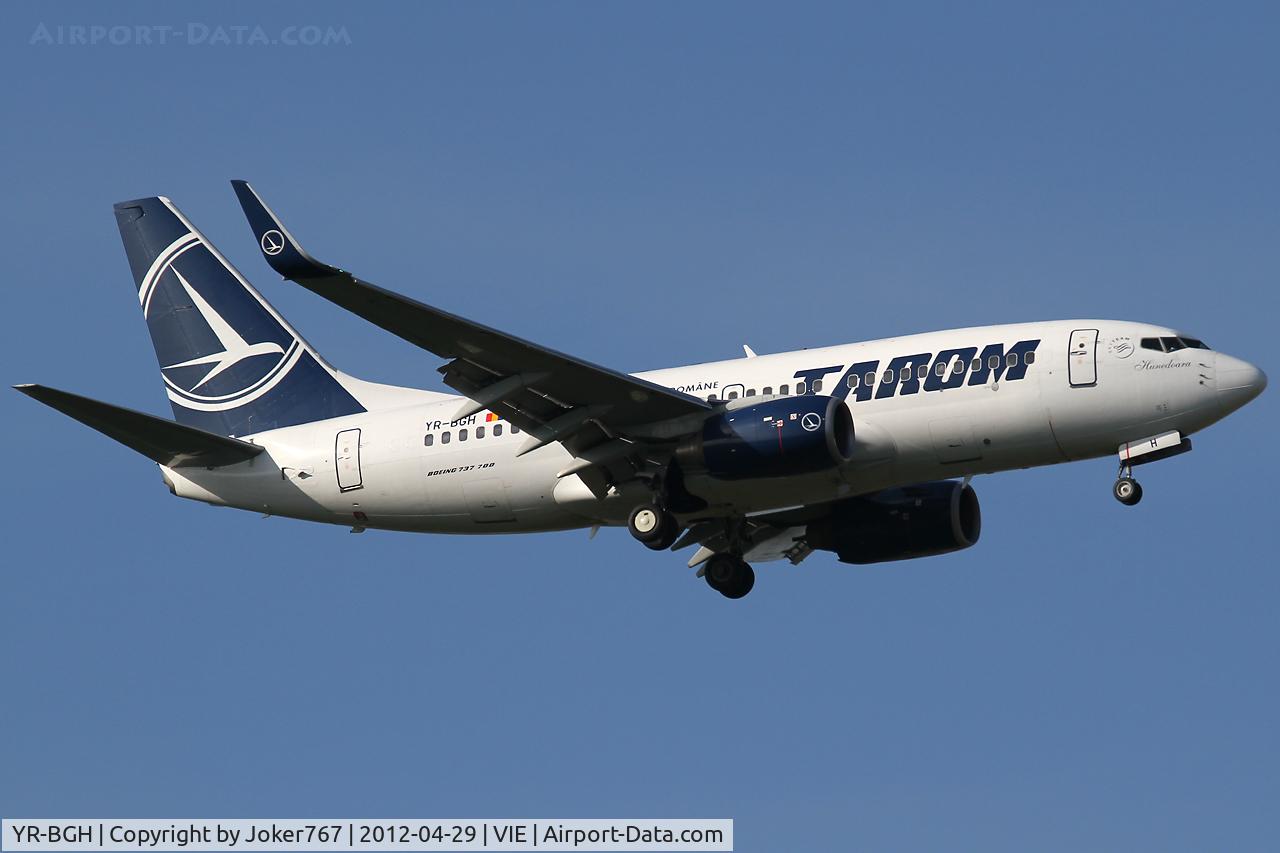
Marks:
<point>887,377</point>
<point>497,430</point>
<point>800,386</point>
<point>869,379</point>
<point>852,381</point>
<point>784,390</point>
<point>975,365</point>
<point>993,362</point>
<point>904,374</point>
<point>768,391</point>
<point>958,367</point>
<point>733,395</point>
<point>711,398</point>
<point>817,386</point>
<point>479,432</point>
<point>462,435</point>
<point>751,392</point>
<point>940,369</point>
<point>444,437</point>
<point>429,439</point>
<point>1029,358</point>
<point>922,371</point>
<point>1011,359</point>
<point>515,430</point>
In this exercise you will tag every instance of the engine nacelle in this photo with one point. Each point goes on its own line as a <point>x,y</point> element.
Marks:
<point>900,524</point>
<point>774,438</point>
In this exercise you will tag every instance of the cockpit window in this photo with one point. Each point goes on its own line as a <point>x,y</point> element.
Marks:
<point>1172,344</point>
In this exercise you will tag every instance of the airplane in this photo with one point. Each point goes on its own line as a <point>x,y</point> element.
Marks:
<point>866,450</point>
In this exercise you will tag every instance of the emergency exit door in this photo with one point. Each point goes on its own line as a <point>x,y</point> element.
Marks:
<point>346,457</point>
<point>1082,358</point>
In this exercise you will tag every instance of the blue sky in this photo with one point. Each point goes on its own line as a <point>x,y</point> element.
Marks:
<point>648,186</point>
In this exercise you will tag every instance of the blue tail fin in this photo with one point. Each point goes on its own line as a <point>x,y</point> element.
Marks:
<point>230,363</point>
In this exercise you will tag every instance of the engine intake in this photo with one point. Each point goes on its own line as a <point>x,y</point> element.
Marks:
<point>774,438</point>
<point>900,524</point>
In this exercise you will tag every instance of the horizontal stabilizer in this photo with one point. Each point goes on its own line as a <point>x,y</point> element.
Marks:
<point>158,439</point>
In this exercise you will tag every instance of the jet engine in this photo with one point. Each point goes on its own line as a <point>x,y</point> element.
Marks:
<point>899,524</point>
<point>774,438</point>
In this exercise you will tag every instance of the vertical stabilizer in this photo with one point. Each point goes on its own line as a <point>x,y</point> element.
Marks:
<point>229,362</point>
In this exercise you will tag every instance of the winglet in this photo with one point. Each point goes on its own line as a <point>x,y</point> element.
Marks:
<point>285,255</point>
<point>749,351</point>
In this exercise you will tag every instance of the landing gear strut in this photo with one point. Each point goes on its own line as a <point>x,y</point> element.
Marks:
<point>729,575</point>
<point>653,526</point>
<point>1126,489</point>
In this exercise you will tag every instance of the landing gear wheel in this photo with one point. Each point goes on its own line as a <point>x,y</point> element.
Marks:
<point>730,576</point>
<point>1127,491</point>
<point>720,570</point>
<point>744,583</point>
<point>653,526</point>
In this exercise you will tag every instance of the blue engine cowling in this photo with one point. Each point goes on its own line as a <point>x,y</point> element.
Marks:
<point>774,438</point>
<point>900,524</point>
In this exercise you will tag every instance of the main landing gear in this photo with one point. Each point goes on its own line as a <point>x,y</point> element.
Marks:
<point>1126,489</point>
<point>729,575</point>
<point>653,526</point>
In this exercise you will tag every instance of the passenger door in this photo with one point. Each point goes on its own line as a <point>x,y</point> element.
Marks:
<point>346,458</point>
<point>1082,358</point>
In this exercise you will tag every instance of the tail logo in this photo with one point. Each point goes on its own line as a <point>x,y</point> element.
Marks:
<point>235,349</point>
<point>272,242</point>
<point>238,370</point>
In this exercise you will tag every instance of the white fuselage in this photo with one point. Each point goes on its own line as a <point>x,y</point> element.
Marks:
<point>414,468</point>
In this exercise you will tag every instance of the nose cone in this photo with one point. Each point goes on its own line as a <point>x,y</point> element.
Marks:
<point>1238,382</point>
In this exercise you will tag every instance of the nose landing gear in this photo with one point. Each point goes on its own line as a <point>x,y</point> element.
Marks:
<point>1126,489</point>
<point>1140,451</point>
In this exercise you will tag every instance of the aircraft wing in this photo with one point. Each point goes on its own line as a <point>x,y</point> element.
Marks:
<point>552,396</point>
